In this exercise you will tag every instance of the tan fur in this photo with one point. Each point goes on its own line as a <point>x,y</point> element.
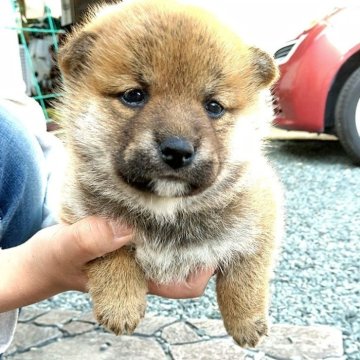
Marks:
<point>223,210</point>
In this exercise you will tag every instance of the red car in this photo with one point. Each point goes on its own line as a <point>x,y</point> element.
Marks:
<point>319,87</point>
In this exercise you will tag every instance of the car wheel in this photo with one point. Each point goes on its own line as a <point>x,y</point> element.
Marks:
<point>347,116</point>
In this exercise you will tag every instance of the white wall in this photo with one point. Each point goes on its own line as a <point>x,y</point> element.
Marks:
<point>268,23</point>
<point>11,81</point>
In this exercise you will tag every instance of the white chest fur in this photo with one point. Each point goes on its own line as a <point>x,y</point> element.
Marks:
<point>170,263</point>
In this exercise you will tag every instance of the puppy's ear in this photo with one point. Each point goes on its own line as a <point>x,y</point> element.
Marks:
<point>74,55</point>
<point>266,70</point>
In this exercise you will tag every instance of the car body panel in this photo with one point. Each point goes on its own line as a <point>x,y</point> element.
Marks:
<point>308,74</point>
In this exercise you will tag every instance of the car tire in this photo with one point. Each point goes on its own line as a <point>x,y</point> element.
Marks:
<point>347,116</point>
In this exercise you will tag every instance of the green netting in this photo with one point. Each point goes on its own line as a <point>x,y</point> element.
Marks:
<point>54,31</point>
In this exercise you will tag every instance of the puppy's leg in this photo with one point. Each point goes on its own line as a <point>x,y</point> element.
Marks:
<point>242,293</point>
<point>118,289</point>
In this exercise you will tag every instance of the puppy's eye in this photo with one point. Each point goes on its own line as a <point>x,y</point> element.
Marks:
<point>214,109</point>
<point>133,97</point>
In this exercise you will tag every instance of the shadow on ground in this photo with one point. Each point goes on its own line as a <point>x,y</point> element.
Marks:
<point>325,152</point>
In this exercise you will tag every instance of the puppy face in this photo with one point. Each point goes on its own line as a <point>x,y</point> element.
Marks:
<point>158,97</point>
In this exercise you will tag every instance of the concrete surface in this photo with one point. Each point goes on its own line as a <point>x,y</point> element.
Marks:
<point>63,334</point>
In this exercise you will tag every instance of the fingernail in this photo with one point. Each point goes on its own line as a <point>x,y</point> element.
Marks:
<point>120,230</point>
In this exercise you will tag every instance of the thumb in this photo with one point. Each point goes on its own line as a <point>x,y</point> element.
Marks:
<point>93,237</point>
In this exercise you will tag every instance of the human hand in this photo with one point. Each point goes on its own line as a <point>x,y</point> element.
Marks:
<point>194,286</point>
<point>63,250</point>
<point>90,238</point>
<point>53,261</point>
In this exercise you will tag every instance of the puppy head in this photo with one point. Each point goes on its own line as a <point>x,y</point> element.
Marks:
<point>158,97</point>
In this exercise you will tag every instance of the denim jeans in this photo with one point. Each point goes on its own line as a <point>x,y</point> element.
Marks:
<point>22,182</point>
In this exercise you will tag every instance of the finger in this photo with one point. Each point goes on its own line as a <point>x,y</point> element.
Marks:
<point>193,287</point>
<point>200,278</point>
<point>171,291</point>
<point>93,237</point>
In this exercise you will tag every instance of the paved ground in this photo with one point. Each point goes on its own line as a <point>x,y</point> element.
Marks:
<point>63,334</point>
<point>279,134</point>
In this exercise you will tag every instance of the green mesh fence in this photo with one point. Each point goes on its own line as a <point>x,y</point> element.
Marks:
<point>53,30</point>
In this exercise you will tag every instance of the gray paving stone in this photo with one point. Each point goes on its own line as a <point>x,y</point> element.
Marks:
<point>217,349</point>
<point>99,346</point>
<point>28,314</point>
<point>151,324</point>
<point>257,356</point>
<point>81,338</point>
<point>211,327</point>
<point>29,335</point>
<point>179,333</point>
<point>87,317</point>
<point>56,317</point>
<point>77,327</point>
<point>303,342</point>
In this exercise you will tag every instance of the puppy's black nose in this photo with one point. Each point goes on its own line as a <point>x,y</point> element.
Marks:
<point>177,152</point>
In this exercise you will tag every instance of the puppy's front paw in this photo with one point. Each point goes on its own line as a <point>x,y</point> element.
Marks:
<point>247,332</point>
<point>118,289</point>
<point>120,317</point>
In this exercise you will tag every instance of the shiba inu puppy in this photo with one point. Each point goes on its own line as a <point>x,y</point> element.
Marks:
<point>163,115</point>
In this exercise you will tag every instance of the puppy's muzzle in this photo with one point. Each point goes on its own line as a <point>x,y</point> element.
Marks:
<point>176,152</point>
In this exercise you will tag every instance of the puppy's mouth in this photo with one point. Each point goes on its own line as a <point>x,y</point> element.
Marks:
<point>166,186</point>
<point>149,176</point>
